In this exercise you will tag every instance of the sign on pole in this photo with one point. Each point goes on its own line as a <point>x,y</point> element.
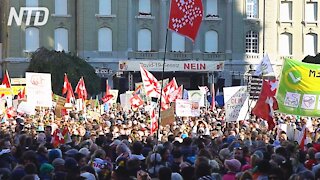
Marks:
<point>236,103</point>
<point>38,89</point>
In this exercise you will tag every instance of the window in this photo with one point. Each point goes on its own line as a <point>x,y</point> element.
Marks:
<point>212,8</point>
<point>105,7</point>
<point>211,41</point>
<point>32,3</point>
<point>310,44</point>
<point>286,11</point>
<point>32,39</point>
<point>61,7</point>
<point>105,39</point>
<point>144,7</point>
<point>252,44</point>
<point>178,42</point>
<point>61,39</point>
<point>252,8</point>
<point>285,44</point>
<point>144,40</point>
<point>311,12</point>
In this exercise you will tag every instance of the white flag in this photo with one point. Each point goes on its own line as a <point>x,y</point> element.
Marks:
<point>264,68</point>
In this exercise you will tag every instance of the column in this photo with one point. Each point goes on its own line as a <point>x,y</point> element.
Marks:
<point>163,25</point>
<point>196,46</point>
<point>229,28</point>
<point>130,19</point>
<point>130,81</point>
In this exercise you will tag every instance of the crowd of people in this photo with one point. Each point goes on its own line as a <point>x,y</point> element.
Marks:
<point>118,145</point>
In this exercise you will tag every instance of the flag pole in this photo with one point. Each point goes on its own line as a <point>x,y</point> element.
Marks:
<point>162,76</point>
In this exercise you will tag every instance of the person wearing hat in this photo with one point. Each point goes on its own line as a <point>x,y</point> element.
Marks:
<point>46,171</point>
<point>233,166</point>
<point>58,172</point>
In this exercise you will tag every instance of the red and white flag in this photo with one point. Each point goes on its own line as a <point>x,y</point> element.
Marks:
<point>267,102</point>
<point>154,116</point>
<point>177,94</point>
<point>22,93</point>
<point>107,96</point>
<point>213,100</point>
<point>302,136</point>
<point>186,17</point>
<point>151,85</point>
<point>81,89</point>
<point>57,138</point>
<point>136,102</point>
<point>170,88</point>
<point>6,80</point>
<point>67,88</point>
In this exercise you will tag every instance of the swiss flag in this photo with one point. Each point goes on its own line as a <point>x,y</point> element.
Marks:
<point>11,112</point>
<point>107,96</point>
<point>267,102</point>
<point>65,84</point>
<point>136,101</point>
<point>177,94</point>
<point>186,17</point>
<point>81,89</point>
<point>58,138</point>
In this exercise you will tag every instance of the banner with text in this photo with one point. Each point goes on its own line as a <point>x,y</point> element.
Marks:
<point>185,108</point>
<point>186,66</point>
<point>197,96</point>
<point>236,103</point>
<point>38,88</point>
<point>299,91</point>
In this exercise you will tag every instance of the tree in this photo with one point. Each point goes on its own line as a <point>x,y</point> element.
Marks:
<point>312,59</point>
<point>58,63</point>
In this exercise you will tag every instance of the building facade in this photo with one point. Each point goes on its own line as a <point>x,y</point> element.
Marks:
<point>109,32</point>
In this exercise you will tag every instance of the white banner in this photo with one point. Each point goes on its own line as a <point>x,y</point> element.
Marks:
<point>114,92</point>
<point>124,100</point>
<point>185,108</point>
<point>38,87</point>
<point>197,96</point>
<point>186,66</point>
<point>236,103</point>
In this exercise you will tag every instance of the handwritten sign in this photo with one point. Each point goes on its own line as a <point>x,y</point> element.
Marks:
<point>234,99</point>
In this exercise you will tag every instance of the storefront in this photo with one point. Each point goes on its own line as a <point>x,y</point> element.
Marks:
<point>191,74</point>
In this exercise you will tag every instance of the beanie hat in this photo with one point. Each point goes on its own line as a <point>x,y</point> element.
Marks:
<point>46,168</point>
<point>84,151</point>
<point>88,176</point>
<point>54,153</point>
<point>58,162</point>
<point>176,176</point>
<point>233,165</point>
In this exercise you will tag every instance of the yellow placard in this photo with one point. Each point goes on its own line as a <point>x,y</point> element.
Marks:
<point>16,89</point>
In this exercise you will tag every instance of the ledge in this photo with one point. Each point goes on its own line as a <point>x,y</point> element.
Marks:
<point>144,17</point>
<point>61,15</point>
<point>106,16</point>
<point>212,19</point>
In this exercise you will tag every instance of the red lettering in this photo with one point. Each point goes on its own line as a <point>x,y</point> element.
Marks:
<point>202,66</point>
<point>193,66</point>
<point>186,66</point>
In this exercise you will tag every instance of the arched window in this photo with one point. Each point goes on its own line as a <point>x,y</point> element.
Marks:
<point>252,8</point>
<point>211,41</point>
<point>32,39</point>
<point>61,40</point>
<point>252,42</point>
<point>212,7</point>
<point>178,42</point>
<point>311,12</point>
<point>61,7</point>
<point>32,3</point>
<point>105,39</point>
<point>144,6</point>
<point>105,7</point>
<point>285,44</point>
<point>310,44</point>
<point>286,11</point>
<point>144,40</point>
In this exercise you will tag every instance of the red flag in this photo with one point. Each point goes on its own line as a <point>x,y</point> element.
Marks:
<point>11,112</point>
<point>22,94</point>
<point>58,138</point>
<point>213,100</point>
<point>267,102</point>
<point>150,83</point>
<point>107,96</point>
<point>65,84</point>
<point>154,116</point>
<point>6,80</point>
<point>81,89</point>
<point>136,101</point>
<point>186,17</point>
